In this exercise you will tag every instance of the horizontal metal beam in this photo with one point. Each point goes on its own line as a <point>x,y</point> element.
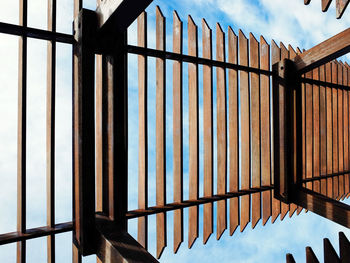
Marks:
<point>35,33</point>
<point>35,233</point>
<point>324,52</point>
<point>117,15</point>
<point>323,206</point>
<point>116,246</point>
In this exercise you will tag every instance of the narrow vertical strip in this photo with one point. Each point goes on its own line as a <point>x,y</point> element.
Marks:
<point>335,128</point>
<point>284,55</point>
<point>323,131</point>
<point>255,128</point>
<point>207,131</point>
<point>329,130</point>
<point>276,204</point>
<point>177,131</point>
<point>160,132</point>
<point>293,207</point>
<point>233,129</point>
<point>265,126</point>
<point>244,130</point>
<point>22,133</point>
<point>308,130</point>
<point>50,130</point>
<point>221,131</point>
<point>340,130</point>
<point>316,129</point>
<point>346,130</point>
<point>193,119</point>
<point>143,136</point>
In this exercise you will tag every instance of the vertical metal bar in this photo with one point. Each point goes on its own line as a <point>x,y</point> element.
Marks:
<point>310,256</point>
<point>323,131</point>
<point>193,118</point>
<point>276,204</point>
<point>207,131</point>
<point>316,129</point>
<point>244,129</point>
<point>160,132</point>
<point>330,256</point>
<point>265,126</point>
<point>50,130</point>
<point>143,128</point>
<point>221,132</point>
<point>76,256</point>
<point>329,130</point>
<point>335,129</point>
<point>177,132</point>
<point>233,129</point>
<point>347,182</point>
<point>346,131</point>
<point>83,132</point>
<point>308,130</point>
<point>284,55</point>
<point>293,207</point>
<point>255,128</point>
<point>340,131</point>
<point>22,132</point>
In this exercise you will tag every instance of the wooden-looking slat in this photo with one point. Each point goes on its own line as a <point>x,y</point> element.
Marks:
<point>265,126</point>
<point>299,209</point>
<point>221,131</point>
<point>233,129</point>
<point>255,128</point>
<point>325,5</point>
<point>335,129</point>
<point>284,55</point>
<point>323,131</point>
<point>207,131</point>
<point>21,132</point>
<point>329,130</point>
<point>293,207</point>
<point>76,256</point>
<point>344,248</point>
<point>316,129</point>
<point>308,130</point>
<point>142,226</point>
<point>310,256</point>
<point>340,7</point>
<point>347,177</point>
<point>276,204</point>
<point>346,130</point>
<point>330,256</point>
<point>177,131</point>
<point>193,119</point>
<point>160,132</point>
<point>244,129</point>
<point>340,131</point>
<point>50,130</point>
<point>290,258</point>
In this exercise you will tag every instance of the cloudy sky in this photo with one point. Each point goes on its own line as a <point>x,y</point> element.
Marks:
<point>288,21</point>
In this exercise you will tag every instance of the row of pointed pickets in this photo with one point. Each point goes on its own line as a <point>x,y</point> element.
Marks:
<point>244,135</point>
<point>340,6</point>
<point>329,253</point>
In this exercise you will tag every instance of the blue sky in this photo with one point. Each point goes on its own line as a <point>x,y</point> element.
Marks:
<point>288,21</point>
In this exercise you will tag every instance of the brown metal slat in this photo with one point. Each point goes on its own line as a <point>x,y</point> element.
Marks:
<point>323,131</point>
<point>177,131</point>
<point>22,132</point>
<point>325,5</point>
<point>193,119</point>
<point>329,130</point>
<point>207,131</point>
<point>346,131</point>
<point>255,128</point>
<point>344,248</point>
<point>221,132</point>
<point>293,207</point>
<point>142,227</point>
<point>276,204</point>
<point>265,126</point>
<point>310,256</point>
<point>233,129</point>
<point>284,55</point>
<point>330,256</point>
<point>50,130</point>
<point>245,130</point>
<point>340,130</point>
<point>160,133</point>
<point>335,129</point>
<point>340,7</point>
<point>308,130</point>
<point>316,129</point>
<point>347,185</point>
